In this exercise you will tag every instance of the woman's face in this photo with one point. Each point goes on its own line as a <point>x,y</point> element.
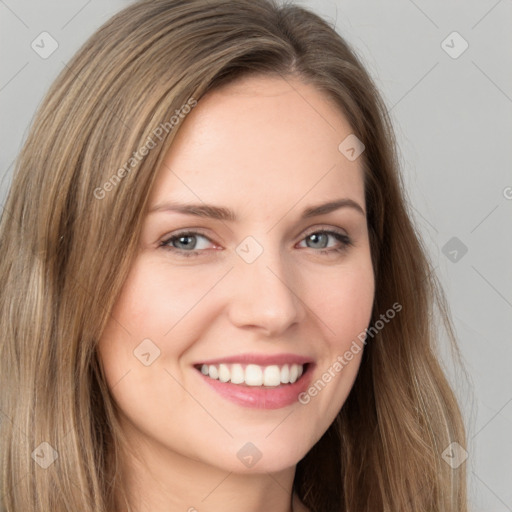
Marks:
<point>249,285</point>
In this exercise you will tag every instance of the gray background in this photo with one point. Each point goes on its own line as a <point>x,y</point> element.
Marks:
<point>454,125</point>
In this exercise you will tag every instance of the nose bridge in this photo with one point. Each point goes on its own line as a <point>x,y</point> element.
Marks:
<point>265,294</point>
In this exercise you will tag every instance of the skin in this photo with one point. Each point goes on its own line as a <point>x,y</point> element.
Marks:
<point>266,148</point>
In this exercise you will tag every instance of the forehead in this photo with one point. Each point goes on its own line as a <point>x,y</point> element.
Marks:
<point>257,142</point>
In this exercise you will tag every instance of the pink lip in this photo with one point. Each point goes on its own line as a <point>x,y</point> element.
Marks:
<point>259,359</point>
<point>262,397</point>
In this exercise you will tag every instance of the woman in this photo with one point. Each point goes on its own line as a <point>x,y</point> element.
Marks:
<point>213,296</point>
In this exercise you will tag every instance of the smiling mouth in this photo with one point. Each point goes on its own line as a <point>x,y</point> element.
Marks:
<point>253,375</point>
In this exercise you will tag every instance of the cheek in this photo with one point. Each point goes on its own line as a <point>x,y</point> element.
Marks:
<point>343,310</point>
<point>147,318</point>
<point>344,305</point>
<point>158,305</point>
<point>154,301</point>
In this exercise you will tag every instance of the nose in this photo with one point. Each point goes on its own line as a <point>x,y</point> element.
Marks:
<point>265,295</point>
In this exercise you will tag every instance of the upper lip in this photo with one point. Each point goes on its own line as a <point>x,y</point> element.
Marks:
<point>259,359</point>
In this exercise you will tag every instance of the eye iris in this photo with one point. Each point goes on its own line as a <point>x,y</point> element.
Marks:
<point>180,239</point>
<point>315,237</point>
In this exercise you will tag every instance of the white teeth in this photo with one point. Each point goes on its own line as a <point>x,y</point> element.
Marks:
<point>224,374</point>
<point>253,374</point>
<point>213,372</point>
<point>237,374</point>
<point>294,373</point>
<point>285,374</point>
<point>272,376</point>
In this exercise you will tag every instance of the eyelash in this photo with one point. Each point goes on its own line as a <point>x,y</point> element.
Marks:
<point>341,237</point>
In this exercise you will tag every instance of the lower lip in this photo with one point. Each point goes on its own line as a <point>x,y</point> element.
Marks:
<point>262,397</point>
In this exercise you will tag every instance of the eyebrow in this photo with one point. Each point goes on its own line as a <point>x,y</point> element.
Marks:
<point>221,213</point>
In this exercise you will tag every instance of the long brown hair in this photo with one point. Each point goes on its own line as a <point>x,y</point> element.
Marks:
<point>68,240</point>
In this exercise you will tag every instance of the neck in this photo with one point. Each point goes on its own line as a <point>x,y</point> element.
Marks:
<point>157,480</point>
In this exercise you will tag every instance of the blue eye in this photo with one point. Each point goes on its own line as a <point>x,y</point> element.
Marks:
<point>321,238</point>
<point>186,243</point>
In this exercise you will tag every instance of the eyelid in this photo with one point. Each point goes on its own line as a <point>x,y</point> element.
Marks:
<point>315,229</point>
<point>186,232</point>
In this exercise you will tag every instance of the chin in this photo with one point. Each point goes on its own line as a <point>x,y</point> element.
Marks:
<point>263,456</point>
